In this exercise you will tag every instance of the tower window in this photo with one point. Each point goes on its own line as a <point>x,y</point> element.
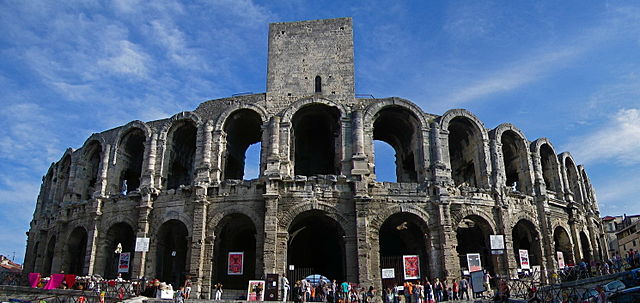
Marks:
<point>318,84</point>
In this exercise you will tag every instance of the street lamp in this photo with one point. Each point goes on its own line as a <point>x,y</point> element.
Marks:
<point>117,252</point>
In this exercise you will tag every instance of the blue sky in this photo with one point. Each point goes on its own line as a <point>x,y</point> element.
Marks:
<point>566,70</point>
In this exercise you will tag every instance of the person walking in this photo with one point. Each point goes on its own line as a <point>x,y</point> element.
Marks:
<point>438,289</point>
<point>285,288</point>
<point>464,289</point>
<point>455,288</point>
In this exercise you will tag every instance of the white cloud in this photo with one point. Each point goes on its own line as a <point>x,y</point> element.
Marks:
<point>128,58</point>
<point>617,140</point>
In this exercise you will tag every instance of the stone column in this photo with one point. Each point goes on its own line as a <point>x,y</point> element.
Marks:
<point>102,182</point>
<point>203,168</point>
<point>286,167</point>
<point>198,239</point>
<point>446,248</point>
<point>270,248</point>
<point>273,159</point>
<point>362,239</point>
<point>139,260</point>
<point>540,188</point>
<point>358,159</point>
<point>219,142</point>
<point>150,162</point>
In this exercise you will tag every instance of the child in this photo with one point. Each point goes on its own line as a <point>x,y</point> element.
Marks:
<point>179,295</point>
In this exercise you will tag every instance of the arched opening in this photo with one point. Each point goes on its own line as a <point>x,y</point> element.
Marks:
<point>588,194</point>
<point>243,128</point>
<point>48,184</point>
<point>252,161</point>
<point>514,167</point>
<point>172,251</point>
<point>318,84</point>
<point>384,168</point>
<point>473,238</point>
<point>525,236</point>
<point>235,241</point>
<point>586,246</point>
<point>465,147</point>
<point>403,234</point>
<point>119,233</point>
<point>397,127</point>
<point>131,155</point>
<point>562,243</point>
<point>316,133</point>
<point>91,167</point>
<point>549,163</point>
<point>63,178</point>
<point>48,261</point>
<point>316,246</point>
<point>572,176</point>
<point>181,153</point>
<point>76,251</point>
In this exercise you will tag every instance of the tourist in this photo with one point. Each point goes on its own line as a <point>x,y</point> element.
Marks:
<point>187,287</point>
<point>396,293</point>
<point>438,289</point>
<point>456,290</point>
<point>218,289</point>
<point>408,290</point>
<point>418,292</point>
<point>487,282</point>
<point>426,292</point>
<point>464,289</point>
<point>297,292</point>
<point>344,291</point>
<point>179,295</point>
<point>503,292</point>
<point>602,296</point>
<point>284,282</point>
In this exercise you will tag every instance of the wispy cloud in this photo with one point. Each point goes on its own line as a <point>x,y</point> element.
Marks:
<point>617,140</point>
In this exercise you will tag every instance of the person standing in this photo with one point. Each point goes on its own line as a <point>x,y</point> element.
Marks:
<point>487,282</point>
<point>344,290</point>
<point>218,289</point>
<point>456,290</point>
<point>285,288</point>
<point>187,287</point>
<point>438,288</point>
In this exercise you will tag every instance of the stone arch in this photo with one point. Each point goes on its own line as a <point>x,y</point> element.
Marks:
<point>222,118</point>
<point>89,167</point>
<point>387,212</point>
<point>75,250</point>
<point>290,111</point>
<point>572,176</point>
<point>586,247</point>
<point>400,125</point>
<point>129,155</point>
<point>562,243</point>
<point>549,166</point>
<point>179,149</point>
<point>473,236</point>
<point>526,235</point>
<point>47,188</point>
<point>220,213</point>
<point>49,255</point>
<point>172,243</point>
<point>467,148</point>
<point>172,215</point>
<point>242,129</point>
<point>459,215</point>
<point>63,175</point>
<point>119,232</point>
<point>587,187</point>
<point>514,161</point>
<point>287,218</point>
<point>235,232</point>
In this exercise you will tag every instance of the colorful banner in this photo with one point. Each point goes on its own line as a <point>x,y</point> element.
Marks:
<point>524,259</point>
<point>474,263</point>
<point>34,279</point>
<point>123,264</point>
<point>561,264</point>
<point>411,265</point>
<point>255,291</point>
<point>235,263</point>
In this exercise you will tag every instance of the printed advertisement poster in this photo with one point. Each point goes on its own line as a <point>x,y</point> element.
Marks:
<point>255,291</point>
<point>123,264</point>
<point>473,260</point>
<point>411,265</point>
<point>497,241</point>
<point>142,244</point>
<point>560,259</point>
<point>524,259</point>
<point>388,273</point>
<point>236,263</point>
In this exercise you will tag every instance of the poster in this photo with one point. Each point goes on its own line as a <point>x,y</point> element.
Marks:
<point>524,259</point>
<point>473,260</point>
<point>496,241</point>
<point>123,263</point>
<point>255,291</point>
<point>142,244</point>
<point>235,263</point>
<point>561,264</point>
<point>411,264</point>
<point>388,273</point>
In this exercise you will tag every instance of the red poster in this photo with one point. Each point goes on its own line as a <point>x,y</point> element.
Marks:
<point>236,263</point>
<point>411,267</point>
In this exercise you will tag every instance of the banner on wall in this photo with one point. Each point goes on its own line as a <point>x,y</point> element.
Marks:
<point>411,265</point>
<point>524,259</point>
<point>142,244</point>
<point>123,263</point>
<point>236,263</point>
<point>388,273</point>
<point>560,260</point>
<point>473,260</point>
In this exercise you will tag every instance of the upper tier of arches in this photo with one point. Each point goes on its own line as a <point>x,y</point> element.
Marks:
<point>315,136</point>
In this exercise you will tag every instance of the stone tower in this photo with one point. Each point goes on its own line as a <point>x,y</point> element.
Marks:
<point>310,57</point>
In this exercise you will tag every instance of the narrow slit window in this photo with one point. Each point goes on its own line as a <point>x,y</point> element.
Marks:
<point>318,84</point>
